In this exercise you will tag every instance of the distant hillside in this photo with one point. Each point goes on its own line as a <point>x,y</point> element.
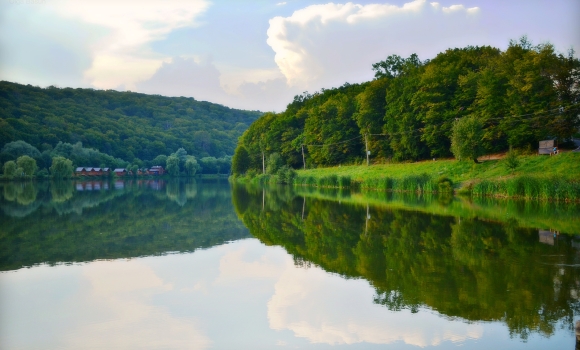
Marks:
<point>125,125</point>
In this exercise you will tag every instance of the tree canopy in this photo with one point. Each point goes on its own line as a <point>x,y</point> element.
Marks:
<point>124,125</point>
<point>518,96</point>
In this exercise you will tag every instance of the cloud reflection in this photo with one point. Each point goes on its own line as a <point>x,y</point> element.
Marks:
<point>326,308</point>
<point>123,290</point>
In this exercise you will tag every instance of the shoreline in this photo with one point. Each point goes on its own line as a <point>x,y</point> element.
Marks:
<point>540,178</point>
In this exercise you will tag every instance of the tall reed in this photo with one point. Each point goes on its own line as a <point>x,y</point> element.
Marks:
<point>530,187</point>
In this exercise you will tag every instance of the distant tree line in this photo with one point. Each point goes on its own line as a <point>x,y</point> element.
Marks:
<point>123,125</point>
<point>465,102</point>
<point>21,160</point>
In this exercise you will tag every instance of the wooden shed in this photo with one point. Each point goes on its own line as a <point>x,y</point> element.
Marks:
<point>120,171</point>
<point>81,171</point>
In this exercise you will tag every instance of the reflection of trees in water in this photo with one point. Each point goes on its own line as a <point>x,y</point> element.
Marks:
<point>175,191</point>
<point>20,211</point>
<point>23,198</point>
<point>467,268</point>
<point>23,193</point>
<point>61,191</point>
<point>125,223</point>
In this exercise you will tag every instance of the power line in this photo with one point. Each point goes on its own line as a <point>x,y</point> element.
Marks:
<point>336,143</point>
<point>550,112</point>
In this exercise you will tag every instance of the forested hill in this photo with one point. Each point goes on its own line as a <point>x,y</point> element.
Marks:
<point>480,99</point>
<point>125,125</point>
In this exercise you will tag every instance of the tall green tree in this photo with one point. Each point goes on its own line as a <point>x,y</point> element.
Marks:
<point>370,113</point>
<point>172,165</point>
<point>402,123</point>
<point>274,163</point>
<point>241,161</point>
<point>61,168</point>
<point>9,168</point>
<point>191,166</point>
<point>27,164</point>
<point>331,132</point>
<point>466,138</point>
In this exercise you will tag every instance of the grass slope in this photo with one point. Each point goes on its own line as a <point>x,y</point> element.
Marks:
<point>565,165</point>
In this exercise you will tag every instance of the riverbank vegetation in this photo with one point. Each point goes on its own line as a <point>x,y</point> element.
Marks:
<point>534,177</point>
<point>60,162</point>
<point>464,103</point>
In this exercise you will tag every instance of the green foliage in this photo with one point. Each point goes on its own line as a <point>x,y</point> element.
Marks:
<point>445,176</point>
<point>191,166</point>
<point>133,169</point>
<point>274,163</point>
<point>61,168</point>
<point>125,125</point>
<point>15,149</point>
<point>444,185</point>
<point>513,97</point>
<point>81,156</point>
<point>27,164</point>
<point>466,138</point>
<point>530,187</point>
<point>241,160</point>
<point>172,165</point>
<point>511,160</point>
<point>344,181</point>
<point>43,173</point>
<point>160,160</point>
<point>286,175</point>
<point>209,165</point>
<point>328,181</point>
<point>9,169</point>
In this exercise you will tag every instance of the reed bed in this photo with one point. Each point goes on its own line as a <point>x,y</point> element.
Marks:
<point>529,187</point>
<point>412,183</point>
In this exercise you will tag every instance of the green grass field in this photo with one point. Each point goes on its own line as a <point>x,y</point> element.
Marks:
<point>565,165</point>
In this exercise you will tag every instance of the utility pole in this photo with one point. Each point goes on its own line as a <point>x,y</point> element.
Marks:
<point>303,161</point>
<point>367,149</point>
<point>263,164</point>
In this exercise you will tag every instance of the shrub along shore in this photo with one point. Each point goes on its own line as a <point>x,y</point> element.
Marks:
<point>553,178</point>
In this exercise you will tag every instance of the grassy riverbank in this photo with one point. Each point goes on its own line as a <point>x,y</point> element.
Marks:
<point>535,177</point>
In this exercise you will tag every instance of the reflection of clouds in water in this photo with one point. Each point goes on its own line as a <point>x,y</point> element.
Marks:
<point>122,293</point>
<point>157,302</point>
<point>240,264</point>
<point>329,309</point>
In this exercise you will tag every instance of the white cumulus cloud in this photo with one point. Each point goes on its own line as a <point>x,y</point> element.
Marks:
<point>123,56</point>
<point>329,44</point>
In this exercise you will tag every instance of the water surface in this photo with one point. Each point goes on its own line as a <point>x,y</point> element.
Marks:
<point>197,264</point>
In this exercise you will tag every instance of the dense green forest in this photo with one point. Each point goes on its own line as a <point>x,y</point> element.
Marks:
<point>128,126</point>
<point>478,270</point>
<point>489,99</point>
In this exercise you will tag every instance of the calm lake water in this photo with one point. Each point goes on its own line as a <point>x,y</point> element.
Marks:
<point>205,265</point>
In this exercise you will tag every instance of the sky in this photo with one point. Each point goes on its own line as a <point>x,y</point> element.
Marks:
<point>256,54</point>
